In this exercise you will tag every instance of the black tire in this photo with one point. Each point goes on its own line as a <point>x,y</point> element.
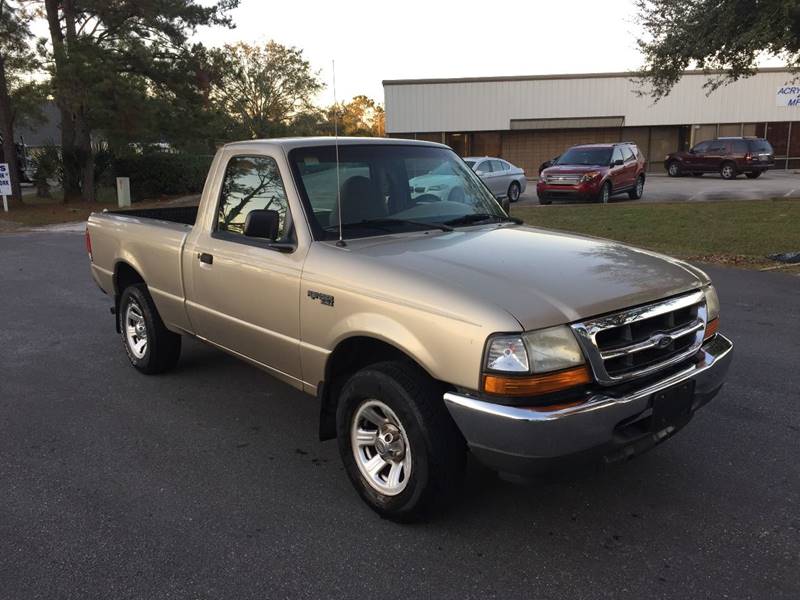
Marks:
<point>674,169</point>
<point>753,175</point>
<point>638,189</point>
<point>604,197</point>
<point>728,170</point>
<point>514,191</point>
<point>437,448</point>
<point>162,348</point>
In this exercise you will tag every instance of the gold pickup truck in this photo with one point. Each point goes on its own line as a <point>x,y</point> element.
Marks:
<point>428,326</point>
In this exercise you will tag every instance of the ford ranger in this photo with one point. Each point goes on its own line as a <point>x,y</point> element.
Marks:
<point>427,327</point>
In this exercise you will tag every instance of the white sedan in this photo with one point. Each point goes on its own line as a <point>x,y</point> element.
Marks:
<point>503,178</point>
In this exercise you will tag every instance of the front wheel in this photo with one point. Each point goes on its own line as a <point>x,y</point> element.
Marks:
<point>605,193</point>
<point>401,449</point>
<point>638,190</point>
<point>728,171</point>
<point>674,169</point>
<point>150,346</point>
<point>513,191</point>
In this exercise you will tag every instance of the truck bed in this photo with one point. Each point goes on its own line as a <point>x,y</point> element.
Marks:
<point>186,215</point>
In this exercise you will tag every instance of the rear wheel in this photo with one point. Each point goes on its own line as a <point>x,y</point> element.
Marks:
<point>674,169</point>
<point>401,449</point>
<point>728,170</point>
<point>513,191</point>
<point>151,347</point>
<point>754,175</point>
<point>638,189</point>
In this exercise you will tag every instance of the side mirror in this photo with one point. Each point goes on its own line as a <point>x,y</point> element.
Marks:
<point>691,151</point>
<point>617,163</point>
<point>263,224</point>
<point>506,204</point>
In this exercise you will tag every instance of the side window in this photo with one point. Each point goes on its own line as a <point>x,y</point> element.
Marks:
<point>485,167</point>
<point>250,183</point>
<point>499,165</point>
<point>702,147</point>
<point>740,147</point>
<point>717,147</point>
<point>617,154</point>
<point>627,155</point>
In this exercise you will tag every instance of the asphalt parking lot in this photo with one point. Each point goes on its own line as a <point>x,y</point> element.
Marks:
<point>709,187</point>
<point>209,482</point>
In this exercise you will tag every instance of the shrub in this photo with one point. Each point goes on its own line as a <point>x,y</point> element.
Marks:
<point>163,174</point>
<point>46,168</point>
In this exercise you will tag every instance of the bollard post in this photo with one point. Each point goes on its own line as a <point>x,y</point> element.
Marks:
<point>123,192</point>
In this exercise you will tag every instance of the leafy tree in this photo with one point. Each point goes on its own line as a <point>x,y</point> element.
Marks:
<point>113,64</point>
<point>15,59</point>
<point>265,88</point>
<point>729,35</point>
<point>362,116</point>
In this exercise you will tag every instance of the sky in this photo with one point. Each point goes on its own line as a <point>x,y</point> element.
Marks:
<point>412,39</point>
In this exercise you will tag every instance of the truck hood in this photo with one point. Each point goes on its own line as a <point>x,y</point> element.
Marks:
<point>541,277</point>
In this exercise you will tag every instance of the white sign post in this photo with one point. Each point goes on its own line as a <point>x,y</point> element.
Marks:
<point>5,184</point>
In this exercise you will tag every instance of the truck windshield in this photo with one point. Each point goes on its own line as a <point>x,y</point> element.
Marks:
<point>387,189</point>
<point>586,156</point>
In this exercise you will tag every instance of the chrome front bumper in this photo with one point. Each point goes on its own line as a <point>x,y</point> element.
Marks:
<point>522,440</point>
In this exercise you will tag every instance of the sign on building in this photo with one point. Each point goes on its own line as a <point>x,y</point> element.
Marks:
<point>5,180</point>
<point>788,95</point>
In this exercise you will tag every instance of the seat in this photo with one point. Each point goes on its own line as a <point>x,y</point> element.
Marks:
<point>361,200</point>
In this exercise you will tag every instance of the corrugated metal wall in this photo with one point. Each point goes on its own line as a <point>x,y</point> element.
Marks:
<point>491,105</point>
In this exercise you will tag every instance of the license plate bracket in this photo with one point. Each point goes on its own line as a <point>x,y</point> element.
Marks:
<point>672,405</point>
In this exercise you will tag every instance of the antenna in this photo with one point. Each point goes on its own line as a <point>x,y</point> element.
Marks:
<point>341,243</point>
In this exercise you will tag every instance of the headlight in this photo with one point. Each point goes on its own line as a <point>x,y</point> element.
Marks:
<point>590,176</point>
<point>542,178</point>
<point>539,351</point>
<point>712,302</point>
<point>507,353</point>
<point>553,349</point>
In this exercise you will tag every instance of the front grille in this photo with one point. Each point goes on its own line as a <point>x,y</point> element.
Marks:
<point>639,341</point>
<point>565,179</point>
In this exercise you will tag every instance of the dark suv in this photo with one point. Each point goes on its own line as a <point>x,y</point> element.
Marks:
<point>593,172</point>
<point>727,156</point>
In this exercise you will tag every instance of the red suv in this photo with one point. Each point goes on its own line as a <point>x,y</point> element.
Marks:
<point>593,172</point>
<point>727,156</point>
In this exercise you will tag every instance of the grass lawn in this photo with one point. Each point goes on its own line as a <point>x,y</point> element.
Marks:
<point>736,232</point>
<point>47,211</point>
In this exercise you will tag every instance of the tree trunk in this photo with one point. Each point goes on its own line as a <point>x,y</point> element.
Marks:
<point>7,130</point>
<point>64,91</point>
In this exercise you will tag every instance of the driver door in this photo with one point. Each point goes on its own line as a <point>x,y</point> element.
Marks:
<point>242,293</point>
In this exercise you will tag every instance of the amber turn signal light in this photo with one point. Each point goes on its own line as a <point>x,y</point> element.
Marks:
<point>711,328</point>
<point>502,385</point>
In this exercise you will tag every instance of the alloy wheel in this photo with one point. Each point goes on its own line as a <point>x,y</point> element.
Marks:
<point>135,329</point>
<point>381,448</point>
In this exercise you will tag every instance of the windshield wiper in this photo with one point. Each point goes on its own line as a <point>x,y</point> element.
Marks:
<point>383,222</point>
<point>477,218</point>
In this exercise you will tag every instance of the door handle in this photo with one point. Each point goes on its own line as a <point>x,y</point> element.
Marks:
<point>205,258</point>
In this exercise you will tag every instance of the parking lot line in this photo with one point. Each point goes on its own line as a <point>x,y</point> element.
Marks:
<point>789,193</point>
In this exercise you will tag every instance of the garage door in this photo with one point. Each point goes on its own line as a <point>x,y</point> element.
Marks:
<point>529,149</point>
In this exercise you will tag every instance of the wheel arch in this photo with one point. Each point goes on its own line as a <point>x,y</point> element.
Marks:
<point>349,356</point>
<point>124,275</point>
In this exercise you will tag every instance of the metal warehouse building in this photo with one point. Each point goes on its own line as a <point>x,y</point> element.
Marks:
<point>530,119</point>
